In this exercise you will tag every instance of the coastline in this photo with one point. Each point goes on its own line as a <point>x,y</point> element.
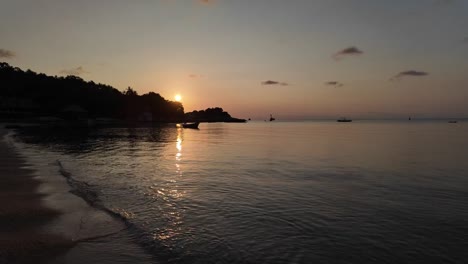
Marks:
<point>41,221</point>
<point>23,212</point>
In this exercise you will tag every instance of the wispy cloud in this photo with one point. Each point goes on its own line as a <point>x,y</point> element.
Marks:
<point>270,82</point>
<point>74,71</point>
<point>410,73</point>
<point>350,51</point>
<point>7,54</point>
<point>195,76</point>
<point>206,2</point>
<point>334,84</point>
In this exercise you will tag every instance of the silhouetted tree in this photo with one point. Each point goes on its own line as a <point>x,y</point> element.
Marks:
<point>216,114</point>
<point>51,94</point>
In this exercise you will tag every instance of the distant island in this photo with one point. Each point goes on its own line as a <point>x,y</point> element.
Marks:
<point>31,96</point>
<point>216,114</point>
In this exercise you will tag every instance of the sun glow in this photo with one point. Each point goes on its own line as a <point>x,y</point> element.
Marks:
<point>178,97</point>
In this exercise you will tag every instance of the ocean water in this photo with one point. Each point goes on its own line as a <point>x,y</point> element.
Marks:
<point>279,192</point>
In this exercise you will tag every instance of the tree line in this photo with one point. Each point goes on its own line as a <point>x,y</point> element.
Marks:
<point>49,95</point>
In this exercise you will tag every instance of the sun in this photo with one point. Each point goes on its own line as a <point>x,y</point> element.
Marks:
<point>178,97</point>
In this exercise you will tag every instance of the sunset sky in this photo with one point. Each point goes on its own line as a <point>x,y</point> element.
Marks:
<point>295,58</point>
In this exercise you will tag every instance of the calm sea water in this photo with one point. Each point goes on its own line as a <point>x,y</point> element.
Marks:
<point>280,192</point>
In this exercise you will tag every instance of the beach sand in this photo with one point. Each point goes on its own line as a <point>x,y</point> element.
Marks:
<point>42,222</point>
<point>22,213</point>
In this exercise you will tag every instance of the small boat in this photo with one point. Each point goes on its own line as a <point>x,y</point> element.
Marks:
<point>191,125</point>
<point>343,119</point>
<point>453,121</point>
<point>272,118</point>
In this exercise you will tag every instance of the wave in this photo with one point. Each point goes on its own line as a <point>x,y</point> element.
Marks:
<point>80,188</point>
<point>90,194</point>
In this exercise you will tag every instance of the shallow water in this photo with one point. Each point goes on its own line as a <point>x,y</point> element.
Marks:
<point>280,192</point>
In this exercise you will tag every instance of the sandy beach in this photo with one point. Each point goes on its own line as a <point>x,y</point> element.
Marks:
<point>41,221</point>
<point>22,213</point>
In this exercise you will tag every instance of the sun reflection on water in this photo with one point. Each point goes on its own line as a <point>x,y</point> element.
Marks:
<point>178,155</point>
<point>179,145</point>
<point>173,215</point>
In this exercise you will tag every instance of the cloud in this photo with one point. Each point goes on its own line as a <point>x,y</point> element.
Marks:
<point>334,84</point>
<point>350,51</point>
<point>270,82</point>
<point>75,71</point>
<point>410,73</point>
<point>206,2</point>
<point>7,54</point>
<point>195,76</point>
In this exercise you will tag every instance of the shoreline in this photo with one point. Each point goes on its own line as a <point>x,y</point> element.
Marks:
<point>41,221</point>
<point>23,212</point>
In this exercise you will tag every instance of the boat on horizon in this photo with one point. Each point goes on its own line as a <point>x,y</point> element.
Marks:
<point>191,125</point>
<point>344,119</point>
<point>272,118</point>
<point>453,121</point>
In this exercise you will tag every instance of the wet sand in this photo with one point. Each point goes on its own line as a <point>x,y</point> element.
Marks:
<point>41,221</point>
<point>23,213</point>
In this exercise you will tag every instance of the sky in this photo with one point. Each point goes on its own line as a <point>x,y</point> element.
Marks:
<point>296,59</point>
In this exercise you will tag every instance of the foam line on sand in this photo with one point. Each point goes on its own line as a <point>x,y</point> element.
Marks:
<point>22,213</point>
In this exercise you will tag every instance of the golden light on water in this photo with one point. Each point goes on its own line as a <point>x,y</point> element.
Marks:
<point>179,142</point>
<point>179,149</point>
<point>178,97</point>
